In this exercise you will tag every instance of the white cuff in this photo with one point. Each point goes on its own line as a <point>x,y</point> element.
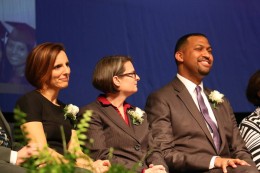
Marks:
<point>13,157</point>
<point>212,162</point>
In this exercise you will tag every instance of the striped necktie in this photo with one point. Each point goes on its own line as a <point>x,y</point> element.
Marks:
<point>212,126</point>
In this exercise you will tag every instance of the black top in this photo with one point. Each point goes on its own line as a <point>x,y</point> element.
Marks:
<point>38,108</point>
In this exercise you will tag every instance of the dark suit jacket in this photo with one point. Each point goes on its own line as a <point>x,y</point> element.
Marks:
<point>180,130</point>
<point>5,153</point>
<point>131,143</point>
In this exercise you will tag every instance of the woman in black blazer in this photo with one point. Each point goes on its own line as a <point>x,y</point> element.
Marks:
<point>117,124</point>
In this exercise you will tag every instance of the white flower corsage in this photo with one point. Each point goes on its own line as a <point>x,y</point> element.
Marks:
<point>71,112</point>
<point>216,98</point>
<point>136,115</point>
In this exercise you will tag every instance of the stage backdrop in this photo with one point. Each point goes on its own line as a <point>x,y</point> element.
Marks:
<point>147,31</point>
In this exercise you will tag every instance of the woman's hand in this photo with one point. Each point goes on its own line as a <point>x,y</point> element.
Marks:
<point>101,166</point>
<point>155,169</point>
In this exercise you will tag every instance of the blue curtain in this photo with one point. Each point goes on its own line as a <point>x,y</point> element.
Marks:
<point>147,31</point>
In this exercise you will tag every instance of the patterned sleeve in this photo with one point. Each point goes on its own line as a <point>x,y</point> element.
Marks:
<point>250,132</point>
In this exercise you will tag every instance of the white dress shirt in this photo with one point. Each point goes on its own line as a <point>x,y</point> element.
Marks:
<point>191,89</point>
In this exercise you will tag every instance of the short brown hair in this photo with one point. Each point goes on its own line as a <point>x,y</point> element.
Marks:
<point>253,87</point>
<point>40,62</point>
<point>182,40</point>
<point>106,69</point>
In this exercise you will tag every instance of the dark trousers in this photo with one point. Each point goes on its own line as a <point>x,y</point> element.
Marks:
<point>239,169</point>
<point>6,167</point>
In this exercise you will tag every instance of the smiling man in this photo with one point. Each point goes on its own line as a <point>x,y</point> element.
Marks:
<point>196,133</point>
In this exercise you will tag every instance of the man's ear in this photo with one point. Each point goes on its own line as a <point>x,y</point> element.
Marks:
<point>116,81</point>
<point>179,56</point>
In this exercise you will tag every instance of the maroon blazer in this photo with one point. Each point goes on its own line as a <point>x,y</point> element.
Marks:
<point>131,143</point>
<point>180,130</point>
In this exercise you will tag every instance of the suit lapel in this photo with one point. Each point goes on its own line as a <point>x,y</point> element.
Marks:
<point>220,126</point>
<point>140,130</point>
<point>110,112</point>
<point>187,100</point>
<point>217,113</point>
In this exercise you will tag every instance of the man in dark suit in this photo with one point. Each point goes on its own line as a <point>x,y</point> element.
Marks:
<point>11,154</point>
<point>195,127</point>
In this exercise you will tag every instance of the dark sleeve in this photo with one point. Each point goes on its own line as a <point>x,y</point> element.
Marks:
<point>98,150</point>
<point>31,105</point>
<point>154,153</point>
<point>96,132</point>
<point>160,119</point>
<point>5,153</point>
<point>237,145</point>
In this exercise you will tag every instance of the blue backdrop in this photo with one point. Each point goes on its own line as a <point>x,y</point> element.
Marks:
<point>147,31</point>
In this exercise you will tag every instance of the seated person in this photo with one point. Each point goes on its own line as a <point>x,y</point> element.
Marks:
<point>11,153</point>
<point>117,124</point>
<point>194,125</point>
<point>250,125</point>
<point>48,70</point>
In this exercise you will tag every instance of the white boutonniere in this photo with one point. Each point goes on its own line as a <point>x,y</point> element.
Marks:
<point>71,112</point>
<point>136,115</point>
<point>216,98</point>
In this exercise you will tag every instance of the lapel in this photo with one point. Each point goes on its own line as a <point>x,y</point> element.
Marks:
<point>141,130</point>
<point>112,114</point>
<point>187,100</point>
<point>217,113</point>
<point>6,126</point>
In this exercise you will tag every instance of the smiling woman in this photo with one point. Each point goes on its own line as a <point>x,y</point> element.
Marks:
<point>46,64</point>
<point>47,69</point>
<point>19,43</point>
<point>60,73</point>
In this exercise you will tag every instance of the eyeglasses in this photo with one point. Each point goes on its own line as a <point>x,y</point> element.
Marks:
<point>132,75</point>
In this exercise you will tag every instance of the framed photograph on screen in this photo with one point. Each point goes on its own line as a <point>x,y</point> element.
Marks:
<point>17,39</point>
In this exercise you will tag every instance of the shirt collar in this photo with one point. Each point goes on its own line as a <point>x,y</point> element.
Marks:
<point>188,84</point>
<point>103,100</point>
